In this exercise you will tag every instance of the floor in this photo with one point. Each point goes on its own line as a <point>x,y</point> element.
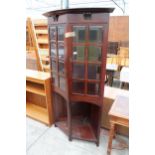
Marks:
<point>44,140</point>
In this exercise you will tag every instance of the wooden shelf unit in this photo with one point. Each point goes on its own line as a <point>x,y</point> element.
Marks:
<point>35,112</point>
<point>35,88</point>
<point>38,96</point>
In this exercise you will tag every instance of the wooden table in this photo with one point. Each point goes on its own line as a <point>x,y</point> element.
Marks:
<point>119,115</point>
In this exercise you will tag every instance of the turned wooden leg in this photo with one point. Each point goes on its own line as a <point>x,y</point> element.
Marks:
<point>111,135</point>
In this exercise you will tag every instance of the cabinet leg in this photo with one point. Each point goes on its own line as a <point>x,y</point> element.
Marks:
<point>111,135</point>
<point>97,143</point>
<point>70,138</point>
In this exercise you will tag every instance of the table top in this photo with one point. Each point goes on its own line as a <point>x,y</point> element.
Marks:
<point>112,93</point>
<point>120,107</point>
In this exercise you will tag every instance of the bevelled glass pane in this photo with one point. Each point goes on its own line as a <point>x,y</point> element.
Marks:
<point>78,53</point>
<point>60,33</point>
<point>54,79</point>
<point>61,68</point>
<point>78,71</point>
<point>78,87</point>
<point>53,33</point>
<point>80,34</point>
<point>95,34</point>
<point>94,53</point>
<point>93,88</point>
<point>54,65</point>
<point>62,83</point>
<point>61,51</point>
<point>53,50</point>
<point>94,71</point>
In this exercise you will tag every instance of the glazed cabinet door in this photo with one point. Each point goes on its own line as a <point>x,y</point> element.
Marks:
<point>86,59</point>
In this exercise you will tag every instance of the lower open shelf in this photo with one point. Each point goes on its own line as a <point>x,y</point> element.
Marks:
<point>37,112</point>
<point>80,129</point>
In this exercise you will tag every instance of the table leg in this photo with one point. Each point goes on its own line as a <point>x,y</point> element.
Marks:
<point>111,135</point>
<point>110,75</point>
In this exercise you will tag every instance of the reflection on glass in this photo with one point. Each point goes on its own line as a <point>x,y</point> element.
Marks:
<point>78,87</point>
<point>55,79</point>
<point>80,33</point>
<point>62,83</point>
<point>54,66</point>
<point>61,51</point>
<point>78,71</point>
<point>53,33</point>
<point>95,34</point>
<point>94,53</point>
<point>53,50</point>
<point>78,53</point>
<point>93,88</point>
<point>61,68</point>
<point>60,33</point>
<point>94,71</point>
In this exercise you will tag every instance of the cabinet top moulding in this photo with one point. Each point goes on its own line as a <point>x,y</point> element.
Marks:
<point>37,76</point>
<point>79,11</point>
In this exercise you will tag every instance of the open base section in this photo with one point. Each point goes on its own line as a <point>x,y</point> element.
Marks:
<point>81,129</point>
<point>84,119</point>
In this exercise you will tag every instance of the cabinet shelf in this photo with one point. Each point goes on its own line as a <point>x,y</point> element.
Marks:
<point>37,112</point>
<point>35,88</point>
<point>80,130</point>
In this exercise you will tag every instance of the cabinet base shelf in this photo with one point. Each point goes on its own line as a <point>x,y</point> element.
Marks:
<point>37,112</point>
<point>81,131</point>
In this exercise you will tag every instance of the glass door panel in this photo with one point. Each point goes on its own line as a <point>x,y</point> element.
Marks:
<point>93,88</point>
<point>78,87</point>
<point>95,34</point>
<point>53,50</point>
<point>78,70</point>
<point>55,79</point>
<point>61,33</point>
<point>54,66</point>
<point>79,53</point>
<point>61,68</point>
<point>62,83</point>
<point>94,53</point>
<point>80,34</point>
<point>94,71</point>
<point>61,51</point>
<point>53,33</point>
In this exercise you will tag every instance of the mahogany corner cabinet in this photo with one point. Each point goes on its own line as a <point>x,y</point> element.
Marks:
<point>78,41</point>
